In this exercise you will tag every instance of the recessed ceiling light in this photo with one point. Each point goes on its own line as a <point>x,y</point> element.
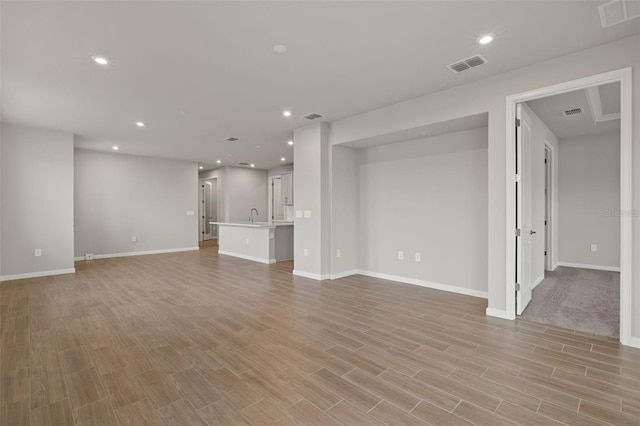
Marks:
<point>252,165</point>
<point>201,167</point>
<point>279,48</point>
<point>139,124</point>
<point>290,142</point>
<point>486,39</point>
<point>115,148</point>
<point>100,60</point>
<point>286,113</point>
<point>283,159</point>
<point>218,161</point>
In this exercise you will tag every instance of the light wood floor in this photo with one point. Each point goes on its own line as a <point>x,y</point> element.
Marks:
<point>194,338</point>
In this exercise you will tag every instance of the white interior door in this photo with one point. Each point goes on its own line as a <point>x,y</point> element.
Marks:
<point>523,210</point>
<point>276,199</point>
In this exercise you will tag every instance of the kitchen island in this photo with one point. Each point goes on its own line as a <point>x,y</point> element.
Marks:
<point>265,242</point>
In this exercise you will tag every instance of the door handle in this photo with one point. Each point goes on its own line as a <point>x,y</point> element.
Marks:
<point>532,232</point>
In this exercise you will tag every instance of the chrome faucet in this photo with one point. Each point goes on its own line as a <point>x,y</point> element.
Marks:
<point>251,215</point>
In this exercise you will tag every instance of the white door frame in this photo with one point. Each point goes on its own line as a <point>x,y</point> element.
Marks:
<point>623,76</point>
<point>549,234</point>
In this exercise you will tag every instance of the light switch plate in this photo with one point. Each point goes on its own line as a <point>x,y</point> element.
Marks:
<point>190,213</point>
<point>307,214</point>
<point>400,255</point>
<point>298,213</point>
<point>417,257</point>
<point>594,247</point>
<point>306,252</point>
<point>38,253</point>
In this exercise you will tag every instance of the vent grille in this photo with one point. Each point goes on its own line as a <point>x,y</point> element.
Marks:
<point>618,11</point>
<point>243,164</point>
<point>572,111</point>
<point>468,63</point>
<point>231,139</point>
<point>312,116</point>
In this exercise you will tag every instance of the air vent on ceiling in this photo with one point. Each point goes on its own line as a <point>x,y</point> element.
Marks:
<point>618,11</point>
<point>243,164</point>
<point>312,116</point>
<point>468,63</point>
<point>231,139</point>
<point>572,111</point>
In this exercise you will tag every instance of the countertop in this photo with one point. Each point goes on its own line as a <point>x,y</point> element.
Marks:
<point>254,224</point>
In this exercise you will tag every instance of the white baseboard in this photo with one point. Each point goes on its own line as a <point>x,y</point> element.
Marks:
<point>138,253</point>
<point>538,281</point>
<point>38,274</point>
<point>343,274</point>
<point>244,256</point>
<point>497,313</point>
<point>597,267</point>
<point>313,276</point>
<point>633,342</point>
<point>436,286</point>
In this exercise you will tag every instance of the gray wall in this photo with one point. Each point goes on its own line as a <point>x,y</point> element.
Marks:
<point>540,134</point>
<point>246,189</point>
<point>239,190</point>
<point>345,187</point>
<point>119,196</point>
<point>37,200</point>
<point>427,196</point>
<point>311,192</point>
<point>488,95</point>
<point>589,200</point>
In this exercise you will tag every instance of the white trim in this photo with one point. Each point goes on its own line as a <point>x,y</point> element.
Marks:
<point>344,274</point>
<point>497,313</point>
<point>597,267</point>
<point>137,253</point>
<point>538,281</point>
<point>316,277</point>
<point>436,286</point>
<point>38,274</point>
<point>244,256</point>
<point>623,76</point>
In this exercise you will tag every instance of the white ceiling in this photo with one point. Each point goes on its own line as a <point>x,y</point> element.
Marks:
<point>214,62</point>
<point>550,109</point>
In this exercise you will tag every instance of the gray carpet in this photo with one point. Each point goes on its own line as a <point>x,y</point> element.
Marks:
<point>579,299</point>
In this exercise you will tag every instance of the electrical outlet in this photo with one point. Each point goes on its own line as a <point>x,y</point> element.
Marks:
<point>400,255</point>
<point>338,253</point>
<point>38,253</point>
<point>88,256</point>
<point>417,257</point>
<point>594,247</point>
<point>306,252</point>
<point>307,214</point>
<point>134,238</point>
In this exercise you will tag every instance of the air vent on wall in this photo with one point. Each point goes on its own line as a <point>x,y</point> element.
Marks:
<point>468,63</point>
<point>618,11</point>
<point>572,111</point>
<point>312,116</point>
<point>243,164</point>
<point>231,139</point>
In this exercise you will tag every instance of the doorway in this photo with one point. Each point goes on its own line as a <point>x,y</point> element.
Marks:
<point>208,209</point>
<point>514,224</point>
<point>276,210</point>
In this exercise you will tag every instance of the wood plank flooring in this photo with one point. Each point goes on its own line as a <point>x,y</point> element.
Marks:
<point>194,338</point>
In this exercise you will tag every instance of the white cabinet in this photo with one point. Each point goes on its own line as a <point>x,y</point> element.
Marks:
<point>287,189</point>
